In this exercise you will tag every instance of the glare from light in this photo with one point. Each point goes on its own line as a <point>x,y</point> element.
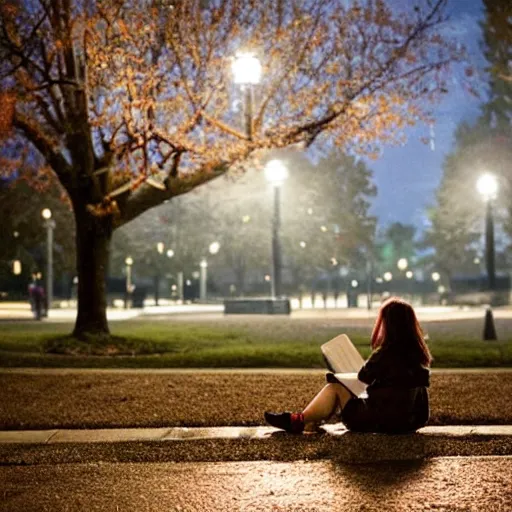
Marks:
<point>388,276</point>
<point>487,186</point>
<point>16,267</point>
<point>246,69</point>
<point>267,278</point>
<point>354,283</point>
<point>246,219</point>
<point>188,282</point>
<point>436,276</point>
<point>378,279</point>
<point>46,213</point>
<point>214,247</point>
<point>402,264</point>
<point>409,274</point>
<point>170,253</point>
<point>441,289</point>
<point>15,234</point>
<point>276,172</point>
<point>476,261</point>
<point>160,247</point>
<point>203,264</point>
<point>195,274</point>
<point>334,261</point>
<point>174,287</point>
<point>323,229</point>
<point>129,261</point>
<point>310,211</point>
<point>302,244</point>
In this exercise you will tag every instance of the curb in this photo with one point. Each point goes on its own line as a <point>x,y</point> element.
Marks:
<point>164,434</point>
<point>230,444</point>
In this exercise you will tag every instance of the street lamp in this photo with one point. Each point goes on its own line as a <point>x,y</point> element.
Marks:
<point>129,262</point>
<point>402,264</point>
<point>388,276</point>
<point>247,72</point>
<point>276,173</point>
<point>49,224</point>
<point>213,248</point>
<point>160,250</point>
<point>16,264</point>
<point>203,269</point>
<point>487,186</point>
<point>436,276</point>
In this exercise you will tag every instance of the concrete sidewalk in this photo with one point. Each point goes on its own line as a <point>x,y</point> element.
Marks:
<point>20,311</point>
<point>467,440</point>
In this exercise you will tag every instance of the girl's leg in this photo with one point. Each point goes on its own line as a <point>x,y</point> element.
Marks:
<point>325,403</point>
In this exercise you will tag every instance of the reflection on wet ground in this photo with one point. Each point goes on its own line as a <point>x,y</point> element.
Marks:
<point>447,484</point>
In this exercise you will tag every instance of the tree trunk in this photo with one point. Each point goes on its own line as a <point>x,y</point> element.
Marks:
<point>93,236</point>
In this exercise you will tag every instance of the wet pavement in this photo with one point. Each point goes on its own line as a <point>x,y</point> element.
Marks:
<point>441,484</point>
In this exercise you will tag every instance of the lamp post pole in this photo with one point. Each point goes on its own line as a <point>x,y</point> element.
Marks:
<point>248,110</point>
<point>487,185</point>
<point>128,262</point>
<point>489,246</point>
<point>247,72</point>
<point>160,251</point>
<point>203,269</point>
<point>49,224</point>
<point>276,173</point>
<point>276,244</point>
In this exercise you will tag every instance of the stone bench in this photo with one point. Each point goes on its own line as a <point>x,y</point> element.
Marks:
<point>257,307</point>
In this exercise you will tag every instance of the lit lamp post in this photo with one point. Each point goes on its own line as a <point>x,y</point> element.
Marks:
<point>49,224</point>
<point>129,262</point>
<point>402,264</point>
<point>247,72</point>
<point>16,264</point>
<point>276,173</point>
<point>487,186</point>
<point>203,271</point>
<point>160,250</point>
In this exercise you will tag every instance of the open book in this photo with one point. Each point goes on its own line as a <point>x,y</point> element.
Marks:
<point>344,361</point>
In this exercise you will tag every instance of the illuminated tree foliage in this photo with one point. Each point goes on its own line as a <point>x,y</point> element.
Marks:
<point>130,102</point>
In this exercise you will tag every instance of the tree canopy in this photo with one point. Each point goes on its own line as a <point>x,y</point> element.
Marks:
<point>131,103</point>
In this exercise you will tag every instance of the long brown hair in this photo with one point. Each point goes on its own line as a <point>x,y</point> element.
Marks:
<point>397,325</point>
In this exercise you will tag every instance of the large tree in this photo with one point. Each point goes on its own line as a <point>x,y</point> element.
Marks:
<point>457,218</point>
<point>130,102</point>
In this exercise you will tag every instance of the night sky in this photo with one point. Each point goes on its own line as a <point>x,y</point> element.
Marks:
<point>408,176</point>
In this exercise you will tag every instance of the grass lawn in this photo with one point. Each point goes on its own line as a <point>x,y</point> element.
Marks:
<point>241,342</point>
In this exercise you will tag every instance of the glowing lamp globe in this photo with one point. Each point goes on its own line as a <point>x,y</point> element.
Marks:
<point>487,186</point>
<point>246,69</point>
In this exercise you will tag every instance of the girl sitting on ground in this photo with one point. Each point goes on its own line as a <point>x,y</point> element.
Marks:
<point>397,373</point>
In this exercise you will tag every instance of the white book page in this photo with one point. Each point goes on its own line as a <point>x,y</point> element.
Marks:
<point>350,381</point>
<point>342,355</point>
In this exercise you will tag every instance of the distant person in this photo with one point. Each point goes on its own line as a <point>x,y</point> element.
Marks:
<point>397,373</point>
<point>38,297</point>
<point>31,288</point>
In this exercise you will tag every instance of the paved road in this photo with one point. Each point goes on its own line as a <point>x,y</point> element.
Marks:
<point>443,484</point>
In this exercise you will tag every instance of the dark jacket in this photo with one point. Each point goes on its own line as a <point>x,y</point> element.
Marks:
<point>397,390</point>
